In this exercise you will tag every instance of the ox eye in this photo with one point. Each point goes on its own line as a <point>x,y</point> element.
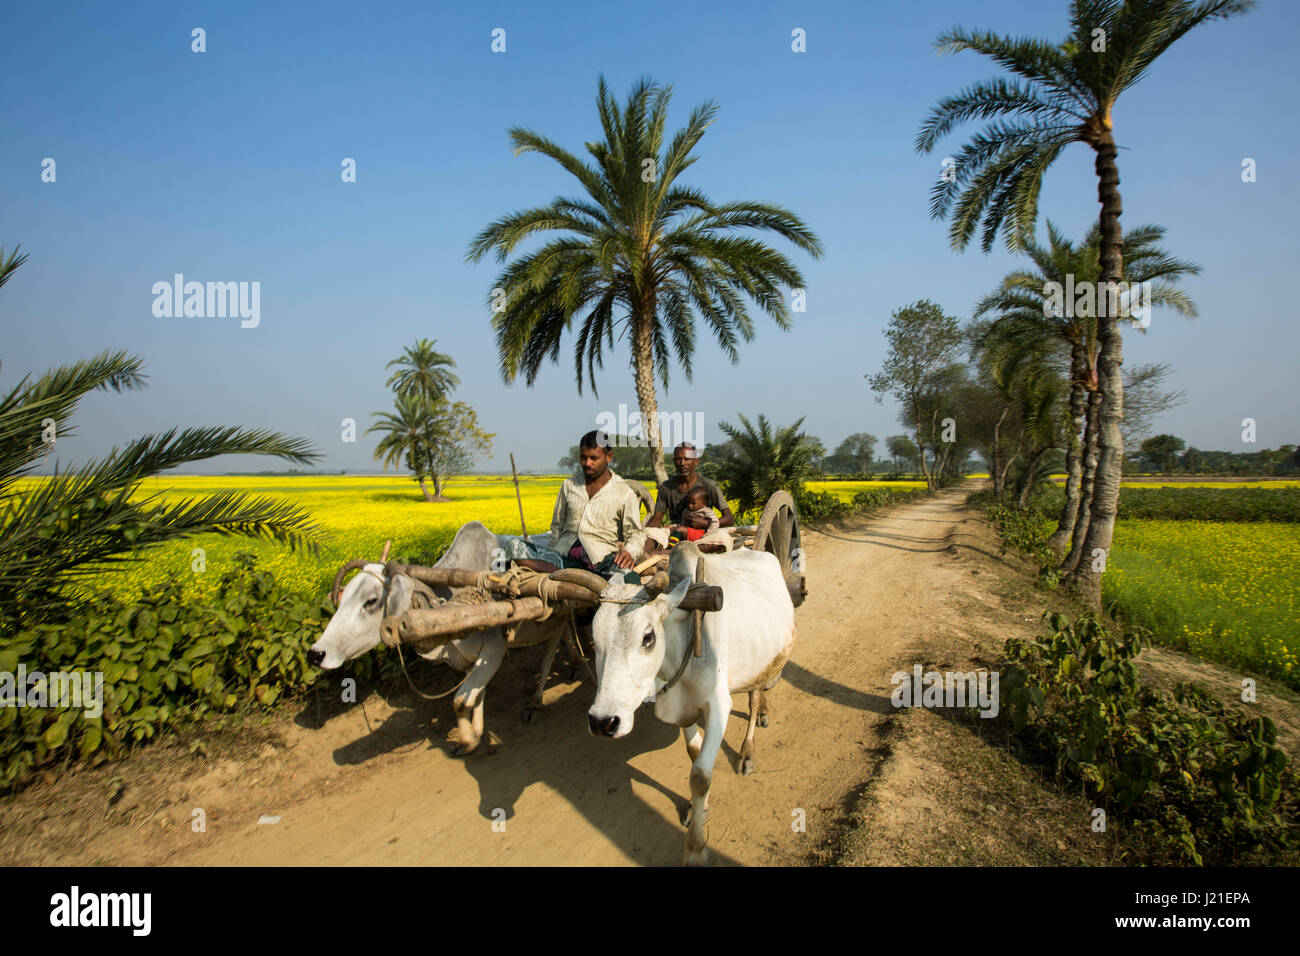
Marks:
<point>649,640</point>
<point>372,604</point>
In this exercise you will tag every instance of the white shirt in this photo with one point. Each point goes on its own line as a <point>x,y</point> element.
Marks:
<point>597,522</point>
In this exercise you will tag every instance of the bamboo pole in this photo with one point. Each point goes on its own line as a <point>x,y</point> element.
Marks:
<point>518,497</point>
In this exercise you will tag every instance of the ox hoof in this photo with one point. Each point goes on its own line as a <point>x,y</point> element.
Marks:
<point>684,814</point>
<point>695,857</point>
<point>762,720</point>
<point>747,766</point>
<point>532,714</point>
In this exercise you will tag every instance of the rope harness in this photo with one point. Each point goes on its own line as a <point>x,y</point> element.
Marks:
<point>511,581</point>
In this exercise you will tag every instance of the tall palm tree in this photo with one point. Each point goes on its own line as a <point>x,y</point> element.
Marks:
<point>1025,319</point>
<point>424,370</point>
<point>767,459</point>
<point>641,255</point>
<point>1063,94</point>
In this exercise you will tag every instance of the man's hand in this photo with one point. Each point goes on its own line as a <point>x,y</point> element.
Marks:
<point>623,559</point>
<point>698,522</point>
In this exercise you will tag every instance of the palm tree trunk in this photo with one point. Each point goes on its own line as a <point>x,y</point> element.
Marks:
<point>643,368</point>
<point>996,463</point>
<point>1086,482</point>
<point>425,489</point>
<point>1020,442</point>
<point>1073,453</point>
<point>1027,483</point>
<point>1086,576</point>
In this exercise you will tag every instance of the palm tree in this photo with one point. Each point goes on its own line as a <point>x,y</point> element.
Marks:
<point>408,440</point>
<point>641,256</point>
<point>423,370</point>
<point>1064,94</point>
<point>767,459</point>
<point>80,522</point>
<point>1025,319</point>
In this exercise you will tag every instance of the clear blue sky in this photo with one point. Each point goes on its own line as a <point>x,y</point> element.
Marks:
<point>225,166</point>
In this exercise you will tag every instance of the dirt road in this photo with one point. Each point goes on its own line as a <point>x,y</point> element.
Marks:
<point>376,785</point>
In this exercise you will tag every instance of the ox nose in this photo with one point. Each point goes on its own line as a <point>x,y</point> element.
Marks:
<point>315,657</point>
<point>606,726</point>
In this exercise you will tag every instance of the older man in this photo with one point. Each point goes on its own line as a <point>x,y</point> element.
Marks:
<point>671,503</point>
<point>592,516</point>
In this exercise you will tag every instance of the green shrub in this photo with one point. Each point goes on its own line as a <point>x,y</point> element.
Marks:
<point>163,661</point>
<point>1199,783</point>
<point>1211,504</point>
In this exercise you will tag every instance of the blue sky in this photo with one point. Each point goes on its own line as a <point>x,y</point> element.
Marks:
<point>225,166</point>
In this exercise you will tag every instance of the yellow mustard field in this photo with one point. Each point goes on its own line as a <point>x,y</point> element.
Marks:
<point>1225,591</point>
<point>845,490</point>
<point>355,513</point>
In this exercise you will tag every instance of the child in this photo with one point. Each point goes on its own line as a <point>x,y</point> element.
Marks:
<point>697,506</point>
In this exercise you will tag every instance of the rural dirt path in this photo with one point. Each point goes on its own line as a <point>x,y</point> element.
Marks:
<point>375,784</point>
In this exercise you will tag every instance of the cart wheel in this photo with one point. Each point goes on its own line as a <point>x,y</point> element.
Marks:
<point>646,498</point>
<point>778,534</point>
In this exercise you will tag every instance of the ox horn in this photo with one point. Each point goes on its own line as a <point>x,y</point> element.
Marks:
<point>337,590</point>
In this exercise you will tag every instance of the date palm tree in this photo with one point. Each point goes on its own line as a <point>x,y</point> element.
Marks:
<point>1023,310</point>
<point>423,370</point>
<point>1062,93</point>
<point>641,255</point>
<point>766,460</point>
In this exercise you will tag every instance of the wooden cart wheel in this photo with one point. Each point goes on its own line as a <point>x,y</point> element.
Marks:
<point>646,498</point>
<point>778,534</point>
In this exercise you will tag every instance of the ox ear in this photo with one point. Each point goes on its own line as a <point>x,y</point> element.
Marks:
<point>667,602</point>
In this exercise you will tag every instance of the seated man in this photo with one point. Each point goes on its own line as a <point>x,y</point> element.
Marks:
<point>673,506</point>
<point>591,517</point>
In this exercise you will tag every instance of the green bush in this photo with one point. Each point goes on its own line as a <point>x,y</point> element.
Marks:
<point>819,505</point>
<point>1026,531</point>
<point>162,660</point>
<point>1198,782</point>
<point>1211,504</point>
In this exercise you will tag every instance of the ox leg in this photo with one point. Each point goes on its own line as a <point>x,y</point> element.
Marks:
<point>468,702</point>
<point>533,709</point>
<point>697,833</point>
<point>763,719</point>
<point>694,737</point>
<point>757,710</point>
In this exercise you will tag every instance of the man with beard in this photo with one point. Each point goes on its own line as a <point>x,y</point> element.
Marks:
<point>593,513</point>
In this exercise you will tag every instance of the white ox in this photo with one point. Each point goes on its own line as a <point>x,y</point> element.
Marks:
<point>640,641</point>
<point>355,629</point>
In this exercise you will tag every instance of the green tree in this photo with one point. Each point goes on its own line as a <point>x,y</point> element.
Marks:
<point>901,448</point>
<point>1162,451</point>
<point>1028,315</point>
<point>434,440</point>
<point>1062,93</point>
<point>767,459</point>
<point>923,347</point>
<point>423,370</point>
<point>858,449</point>
<point>641,254</point>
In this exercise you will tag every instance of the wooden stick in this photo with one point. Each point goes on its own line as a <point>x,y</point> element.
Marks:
<point>518,497</point>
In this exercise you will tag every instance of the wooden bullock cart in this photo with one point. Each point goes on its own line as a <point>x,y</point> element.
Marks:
<point>513,597</point>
